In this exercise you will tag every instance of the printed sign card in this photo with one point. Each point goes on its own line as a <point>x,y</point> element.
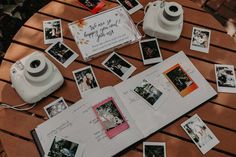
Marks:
<point>103,32</point>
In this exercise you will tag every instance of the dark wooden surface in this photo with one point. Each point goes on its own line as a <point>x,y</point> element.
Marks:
<point>218,113</point>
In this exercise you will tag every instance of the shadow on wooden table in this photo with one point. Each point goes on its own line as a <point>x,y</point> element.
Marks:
<point>2,152</point>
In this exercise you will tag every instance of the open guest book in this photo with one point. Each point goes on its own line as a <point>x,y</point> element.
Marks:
<point>113,118</point>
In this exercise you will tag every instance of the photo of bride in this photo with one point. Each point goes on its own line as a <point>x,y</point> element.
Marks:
<point>85,79</point>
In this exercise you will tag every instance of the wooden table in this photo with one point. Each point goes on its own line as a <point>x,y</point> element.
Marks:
<point>218,113</point>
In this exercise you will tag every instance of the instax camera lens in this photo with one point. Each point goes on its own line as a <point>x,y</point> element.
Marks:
<point>173,8</point>
<point>35,64</point>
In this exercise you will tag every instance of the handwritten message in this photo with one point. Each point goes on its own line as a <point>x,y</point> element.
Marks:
<point>102,29</point>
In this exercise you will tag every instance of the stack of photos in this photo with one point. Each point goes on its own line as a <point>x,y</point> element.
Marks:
<point>131,6</point>
<point>62,147</point>
<point>118,66</point>
<point>180,80</point>
<point>110,117</point>
<point>200,133</point>
<point>150,51</point>
<point>225,78</point>
<point>52,31</point>
<point>154,149</point>
<point>55,107</point>
<point>86,80</point>
<point>200,40</point>
<point>62,53</point>
<point>150,94</point>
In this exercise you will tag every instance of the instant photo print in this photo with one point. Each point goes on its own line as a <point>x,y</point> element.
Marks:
<point>225,78</point>
<point>154,149</point>
<point>200,133</point>
<point>200,39</point>
<point>62,147</point>
<point>110,117</point>
<point>180,80</point>
<point>118,66</point>
<point>150,94</point>
<point>130,6</point>
<point>52,31</point>
<point>150,51</point>
<point>92,5</point>
<point>62,53</point>
<point>55,107</point>
<point>85,80</point>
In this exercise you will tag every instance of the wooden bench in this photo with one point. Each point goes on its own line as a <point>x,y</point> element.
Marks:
<point>218,113</point>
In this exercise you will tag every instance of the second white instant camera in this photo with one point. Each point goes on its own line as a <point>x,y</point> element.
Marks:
<point>35,77</point>
<point>163,20</point>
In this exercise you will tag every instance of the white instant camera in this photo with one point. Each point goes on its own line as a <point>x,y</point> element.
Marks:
<point>163,20</point>
<point>35,77</point>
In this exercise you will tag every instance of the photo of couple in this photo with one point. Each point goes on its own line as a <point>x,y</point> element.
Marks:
<point>85,80</point>
<point>53,29</point>
<point>148,92</point>
<point>109,115</point>
<point>117,65</point>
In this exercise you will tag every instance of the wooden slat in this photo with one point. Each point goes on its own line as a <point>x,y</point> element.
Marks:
<point>176,147</point>
<point>217,38</point>
<point>227,99</point>
<point>18,123</point>
<point>190,15</point>
<point>132,153</point>
<point>219,111</point>
<point>183,43</point>
<point>225,137</point>
<point>215,54</point>
<point>75,3</point>
<point>25,33</point>
<point>208,72</point>
<point>16,147</point>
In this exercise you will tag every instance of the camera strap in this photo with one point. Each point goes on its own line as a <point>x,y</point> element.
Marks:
<point>18,107</point>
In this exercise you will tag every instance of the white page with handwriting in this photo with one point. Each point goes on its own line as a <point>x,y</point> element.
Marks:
<point>149,120</point>
<point>79,123</point>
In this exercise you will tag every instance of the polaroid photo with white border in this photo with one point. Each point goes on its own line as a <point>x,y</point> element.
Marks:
<point>151,149</point>
<point>62,53</point>
<point>52,31</point>
<point>153,96</point>
<point>55,107</point>
<point>180,80</point>
<point>200,133</point>
<point>150,51</point>
<point>110,117</point>
<point>130,6</point>
<point>85,80</point>
<point>200,39</point>
<point>225,78</point>
<point>62,146</point>
<point>118,66</point>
